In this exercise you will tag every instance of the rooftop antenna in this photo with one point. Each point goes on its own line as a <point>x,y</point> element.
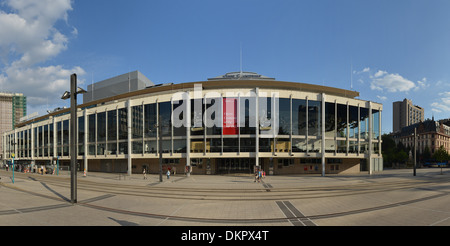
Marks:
<point>92,83</point>
<point>351,75</point>
<point>240,74</point>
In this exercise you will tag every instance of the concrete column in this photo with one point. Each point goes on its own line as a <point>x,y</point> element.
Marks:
<point>322,131</point>
<point>86,141</point>
<point>370,138</point>
<point>129,135</point>
<point>188,134</point>
<point>257,128</point>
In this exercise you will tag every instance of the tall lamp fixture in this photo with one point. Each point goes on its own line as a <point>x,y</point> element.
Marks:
<point>74,90</point>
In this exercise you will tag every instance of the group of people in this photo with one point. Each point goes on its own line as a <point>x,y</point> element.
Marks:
<point>144,172</point>
<point>259,175</point>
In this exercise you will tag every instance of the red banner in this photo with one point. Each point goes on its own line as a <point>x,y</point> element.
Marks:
<point>230,116</point>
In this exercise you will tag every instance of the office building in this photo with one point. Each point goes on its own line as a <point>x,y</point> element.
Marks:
<point>13,106</point>
<point>406,114</point>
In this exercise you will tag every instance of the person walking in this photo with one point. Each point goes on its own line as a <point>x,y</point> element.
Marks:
<point>145,174</point>
<point>168,174</point>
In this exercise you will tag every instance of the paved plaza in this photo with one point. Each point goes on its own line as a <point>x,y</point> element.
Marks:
<point>388,198</point>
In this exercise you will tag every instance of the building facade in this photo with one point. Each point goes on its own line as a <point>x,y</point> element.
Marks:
<point>405,113</point>
<point>238,123</point>
<point>430,133</point>
<point>13,106</point>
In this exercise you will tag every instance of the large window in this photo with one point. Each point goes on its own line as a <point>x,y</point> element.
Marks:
<point>81,132</point>
<point>341,120</point>
<point>298,117</point>
<point>150,120</point>
<point>314,118</point>
<point>364,122</point>
<point>213,111</point>
<point>92,134</point>
<point>101,127</point>
<point>376,124</point>
<point>137,115</point>
<point>123,124</point>
<point>330,127</point>
<point>284,114</point>
<point>123,131</point>
<point>165,114</point>
<point>248,121</point>
<point>353,121</point>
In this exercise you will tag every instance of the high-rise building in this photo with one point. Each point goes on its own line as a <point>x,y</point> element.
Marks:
<point>405,113</point>
<point>13,106</point>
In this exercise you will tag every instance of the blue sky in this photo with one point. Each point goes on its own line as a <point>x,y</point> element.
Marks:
<point>391,50</point>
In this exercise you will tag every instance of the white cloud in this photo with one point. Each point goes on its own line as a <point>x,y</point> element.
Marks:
<point>28,38</point>
<point>380,73</point>
<point>443,104</point>
<point>365,70</point>
<point>422,84</point>
<point>383,80</point>
<point>382,98</point>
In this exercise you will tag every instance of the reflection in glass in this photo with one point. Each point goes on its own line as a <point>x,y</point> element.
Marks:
<point>298,117</point>
<point>123,124</point>
<point>342,120</point>
<point>247,125</point>
<point>314,118</point>
<point>298,145</point>
<point>330,129</point>
<point>353,121</point>
<point>364,122</point>
<point>136,122</point>
<point>150,119</point>
<point>91,125</point>
<point>101,127</point>
<point>284,121</point>
<point>376,124</point>
<point>165,114</point>
<point>112,125</point>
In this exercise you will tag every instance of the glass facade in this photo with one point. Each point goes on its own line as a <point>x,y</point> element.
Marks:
<point>306,128</point>
<point>346,130</point>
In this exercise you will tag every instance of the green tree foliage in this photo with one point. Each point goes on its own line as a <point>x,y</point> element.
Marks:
<point>441,155</point>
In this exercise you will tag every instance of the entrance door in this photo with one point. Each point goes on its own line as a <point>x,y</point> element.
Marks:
<point>235,165</point>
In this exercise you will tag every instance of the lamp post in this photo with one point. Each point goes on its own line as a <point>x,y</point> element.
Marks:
<point>160,148</point>
<point>415,143</point>
<point>74,90</point>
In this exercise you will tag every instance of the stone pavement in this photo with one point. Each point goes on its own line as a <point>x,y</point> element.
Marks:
<point>392,197</point>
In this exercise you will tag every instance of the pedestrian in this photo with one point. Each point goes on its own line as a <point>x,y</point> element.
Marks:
<point>145,174</point>
<point>42,170</point>
<point>168,174</point>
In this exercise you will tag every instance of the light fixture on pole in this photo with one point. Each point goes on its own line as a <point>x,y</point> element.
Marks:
<point>74,90</point>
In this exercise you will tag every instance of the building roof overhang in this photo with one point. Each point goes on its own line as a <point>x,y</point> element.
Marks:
<point>213,84</point>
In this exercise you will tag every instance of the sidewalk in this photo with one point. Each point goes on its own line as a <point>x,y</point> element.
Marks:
<point>203,199</point>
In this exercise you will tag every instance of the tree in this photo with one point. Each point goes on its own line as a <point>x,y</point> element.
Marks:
<point>389,149</point>
<point>441,155</point>
<point>426,153</point>
<point>401,156</point>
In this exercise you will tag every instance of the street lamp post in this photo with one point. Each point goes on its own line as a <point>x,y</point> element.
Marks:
<point>415,158</point>
<point>160,148</point>
<point>74,90</point>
